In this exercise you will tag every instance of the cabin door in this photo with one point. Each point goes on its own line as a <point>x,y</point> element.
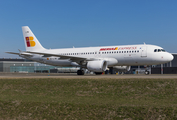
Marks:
<point>144,51</point>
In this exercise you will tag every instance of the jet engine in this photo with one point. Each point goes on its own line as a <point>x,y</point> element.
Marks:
<point>122,68</point>
<point>97,66</point>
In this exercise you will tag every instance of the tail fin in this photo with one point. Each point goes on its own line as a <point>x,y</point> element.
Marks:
<point>31,42</point>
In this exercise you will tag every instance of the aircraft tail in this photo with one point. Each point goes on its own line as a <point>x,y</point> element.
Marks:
<point>31,42</point>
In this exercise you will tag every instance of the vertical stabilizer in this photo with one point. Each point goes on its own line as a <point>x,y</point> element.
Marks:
<point>31,42</point>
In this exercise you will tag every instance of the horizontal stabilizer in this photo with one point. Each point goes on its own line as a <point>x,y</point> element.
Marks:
<point>13,53</point>
<point>25,54</point>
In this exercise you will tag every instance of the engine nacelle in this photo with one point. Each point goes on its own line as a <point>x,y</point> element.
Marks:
<point>97,66</point>
<point>122,68</point>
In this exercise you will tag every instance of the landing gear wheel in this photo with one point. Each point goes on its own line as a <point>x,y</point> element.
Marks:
<point>146,72</point>
<point>98,73</point>
<point>80,72</point>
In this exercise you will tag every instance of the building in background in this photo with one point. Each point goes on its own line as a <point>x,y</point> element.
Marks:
<point>27,66</point>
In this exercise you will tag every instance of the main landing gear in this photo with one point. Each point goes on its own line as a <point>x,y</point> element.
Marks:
<point>98,73</point>
<point>80,72</point>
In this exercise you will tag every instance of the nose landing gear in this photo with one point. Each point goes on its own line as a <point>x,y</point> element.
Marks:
<point>146,72</point>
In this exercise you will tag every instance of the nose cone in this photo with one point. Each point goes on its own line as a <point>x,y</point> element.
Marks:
<point>170,57</point>
<point>163,57</point>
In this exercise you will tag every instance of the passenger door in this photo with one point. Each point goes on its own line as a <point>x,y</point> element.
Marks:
<point>144,51</point>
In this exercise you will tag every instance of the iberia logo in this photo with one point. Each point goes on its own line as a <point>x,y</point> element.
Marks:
<point>30,42</point>
<point>103,49</point>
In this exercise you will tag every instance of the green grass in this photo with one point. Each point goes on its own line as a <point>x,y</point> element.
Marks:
<point>88,99</point>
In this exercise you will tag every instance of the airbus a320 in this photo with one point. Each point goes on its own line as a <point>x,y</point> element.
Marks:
<point>95,59</point>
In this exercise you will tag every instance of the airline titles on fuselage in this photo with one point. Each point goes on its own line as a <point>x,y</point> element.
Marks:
<point>118,48</point>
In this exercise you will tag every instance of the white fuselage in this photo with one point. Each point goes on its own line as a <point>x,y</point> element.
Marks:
<point>95,59</point>
<point>126,55</point>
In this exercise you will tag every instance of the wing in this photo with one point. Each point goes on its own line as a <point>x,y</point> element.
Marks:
<point>72,58</point>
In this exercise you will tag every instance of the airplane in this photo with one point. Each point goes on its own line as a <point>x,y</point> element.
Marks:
<point>94,59</point>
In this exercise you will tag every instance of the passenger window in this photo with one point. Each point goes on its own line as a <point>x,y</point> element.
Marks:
<point>138,51</point>
<point>129,51</point>
<point>135,51</point>
<point>124,51</point>
<point>119,51</point>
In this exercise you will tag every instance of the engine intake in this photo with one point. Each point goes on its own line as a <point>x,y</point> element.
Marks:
<point>97,66</point>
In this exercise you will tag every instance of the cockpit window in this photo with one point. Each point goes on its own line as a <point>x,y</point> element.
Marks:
<point>159,50</point>
<point>163,50</point>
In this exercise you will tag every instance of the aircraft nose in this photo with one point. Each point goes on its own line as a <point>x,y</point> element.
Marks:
<point>170,57</point>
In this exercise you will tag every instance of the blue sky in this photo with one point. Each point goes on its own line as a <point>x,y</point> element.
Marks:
<point>85,23</point>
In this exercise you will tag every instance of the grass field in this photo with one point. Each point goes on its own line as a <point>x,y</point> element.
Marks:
<point>80,99</point>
